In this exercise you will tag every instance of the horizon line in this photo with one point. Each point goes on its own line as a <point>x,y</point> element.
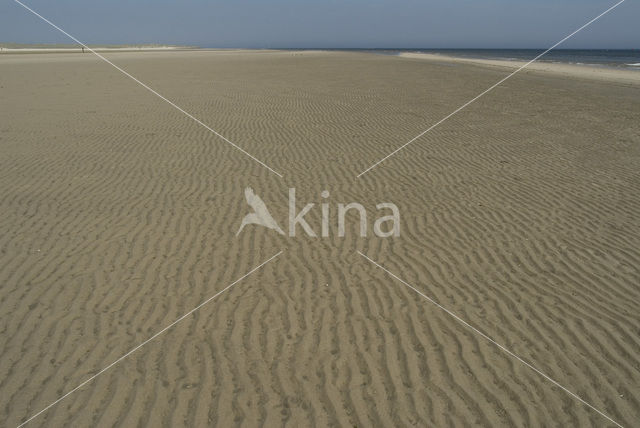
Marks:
<point>200,46</point>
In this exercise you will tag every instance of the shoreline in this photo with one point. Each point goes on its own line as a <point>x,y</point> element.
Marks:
<point>570,70</point>
<point>592,72</point>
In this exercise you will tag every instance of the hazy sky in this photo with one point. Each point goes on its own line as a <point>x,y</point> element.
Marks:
<point>327,23</point>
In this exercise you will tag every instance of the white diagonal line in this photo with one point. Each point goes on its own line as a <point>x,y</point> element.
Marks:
<point>149,339</point>
<point>489,89</point>
<point>189,115</point>
<point>475,330</point>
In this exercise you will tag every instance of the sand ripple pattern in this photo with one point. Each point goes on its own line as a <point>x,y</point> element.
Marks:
<point>119,214</point>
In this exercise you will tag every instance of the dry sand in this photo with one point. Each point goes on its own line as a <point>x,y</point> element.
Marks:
<point>119,214</point>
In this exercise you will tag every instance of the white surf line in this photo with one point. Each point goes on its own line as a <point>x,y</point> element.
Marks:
<point>489,89</point>
<point>189,115</point>
<point>475,330</point>
<point>149,340</point>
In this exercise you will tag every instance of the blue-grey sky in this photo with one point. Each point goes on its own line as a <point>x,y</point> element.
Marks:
<point>327,23</point>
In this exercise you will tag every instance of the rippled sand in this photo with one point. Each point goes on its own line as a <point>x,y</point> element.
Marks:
<point>119,214</point>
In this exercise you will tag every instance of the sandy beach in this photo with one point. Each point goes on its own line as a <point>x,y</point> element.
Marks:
<point>120,214</point>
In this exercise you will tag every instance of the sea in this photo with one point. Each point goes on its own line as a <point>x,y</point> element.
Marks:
<point>619,58</point>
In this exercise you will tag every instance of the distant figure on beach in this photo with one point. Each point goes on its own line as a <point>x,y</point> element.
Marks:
<point>83,49</point>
